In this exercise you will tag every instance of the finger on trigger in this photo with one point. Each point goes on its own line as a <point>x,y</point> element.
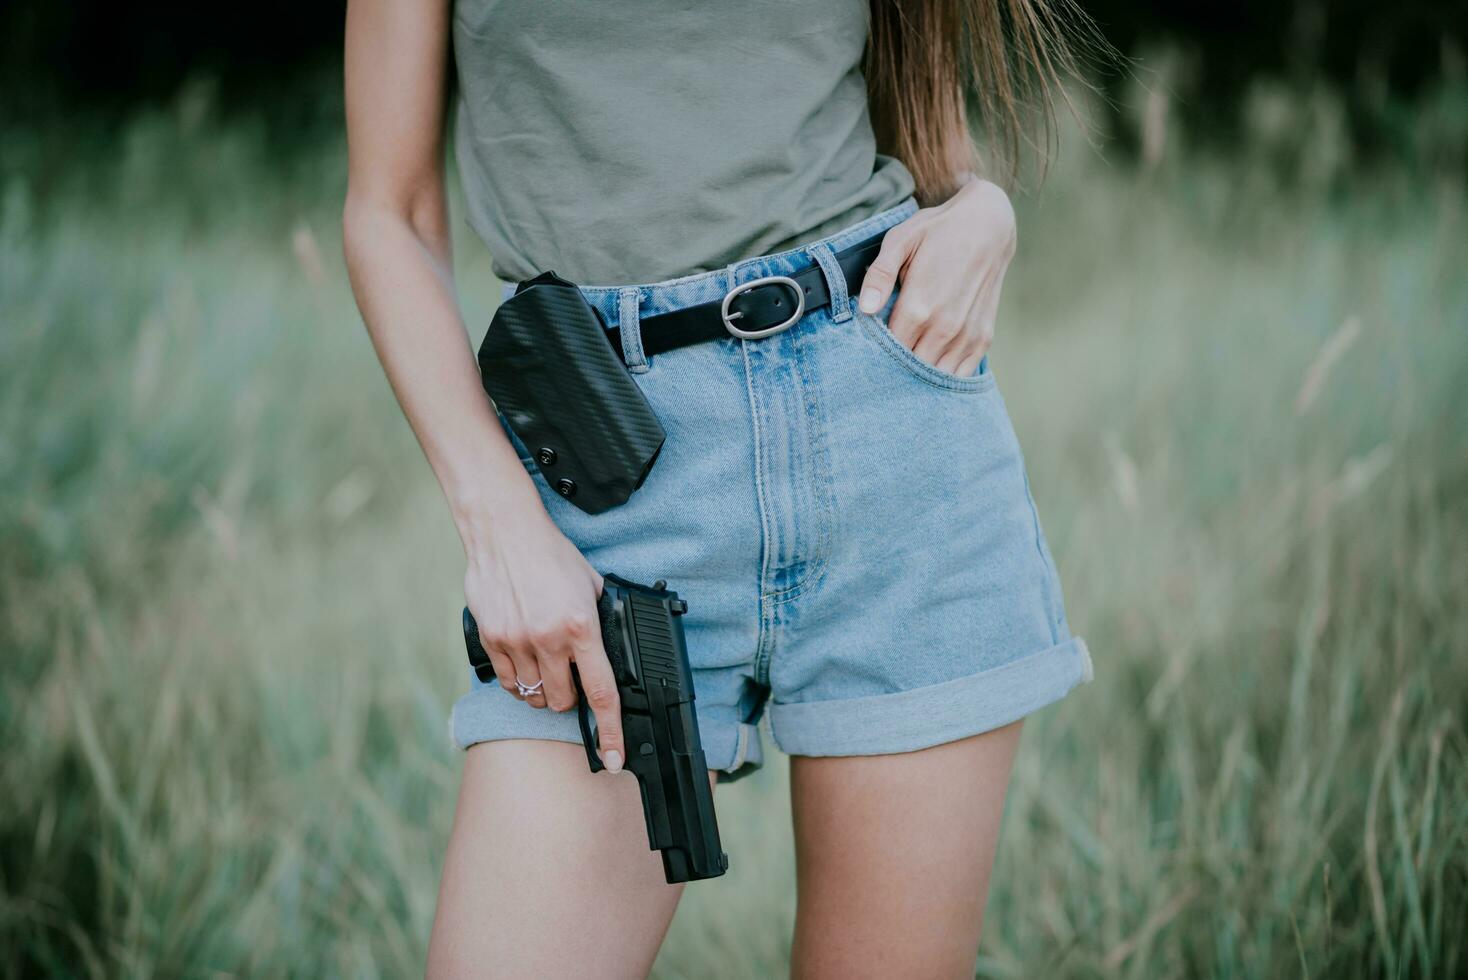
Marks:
<point>599,688</point>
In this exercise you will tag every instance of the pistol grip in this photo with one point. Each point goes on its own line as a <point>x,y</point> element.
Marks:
<point>478,658</point>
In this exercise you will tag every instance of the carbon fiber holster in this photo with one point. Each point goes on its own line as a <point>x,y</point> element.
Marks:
<point>550,367</point>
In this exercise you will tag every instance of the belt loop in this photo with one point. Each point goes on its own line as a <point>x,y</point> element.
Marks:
<point>629,323</point>
<point>825,257</point>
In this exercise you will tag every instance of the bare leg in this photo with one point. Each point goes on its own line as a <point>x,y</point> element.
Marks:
<point>893,854</point>
<point>548,872</point>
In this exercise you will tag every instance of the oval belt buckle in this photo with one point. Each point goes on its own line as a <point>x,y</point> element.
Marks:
<point>729,318</point>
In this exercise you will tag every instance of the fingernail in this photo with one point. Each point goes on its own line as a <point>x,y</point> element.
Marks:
<point>612,760</point>
<point>869,301</point>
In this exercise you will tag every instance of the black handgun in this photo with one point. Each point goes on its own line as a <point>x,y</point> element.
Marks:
<point>642,631</point>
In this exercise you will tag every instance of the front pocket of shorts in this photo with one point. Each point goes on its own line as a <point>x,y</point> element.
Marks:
<point>876,329</point>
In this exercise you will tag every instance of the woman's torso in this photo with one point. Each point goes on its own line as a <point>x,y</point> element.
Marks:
<point>640,141</point>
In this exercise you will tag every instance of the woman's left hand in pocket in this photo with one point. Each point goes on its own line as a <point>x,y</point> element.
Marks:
<point>950,261</point>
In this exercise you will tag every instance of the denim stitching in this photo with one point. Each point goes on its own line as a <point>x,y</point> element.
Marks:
<point>817,454</point>
<point>768,638</point>
<point>1048,573</point>
<point>814,573</point>
<point>761,654</point>
<point>921,369</point>
<point>629,319</point>
<point>825,257</point>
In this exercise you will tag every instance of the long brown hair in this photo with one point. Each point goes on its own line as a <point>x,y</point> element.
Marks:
<point>927,61</point>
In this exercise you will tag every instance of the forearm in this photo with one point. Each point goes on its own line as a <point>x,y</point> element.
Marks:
<point>402,281</point>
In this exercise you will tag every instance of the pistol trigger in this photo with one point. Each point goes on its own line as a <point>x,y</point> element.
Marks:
<point>587,723</point>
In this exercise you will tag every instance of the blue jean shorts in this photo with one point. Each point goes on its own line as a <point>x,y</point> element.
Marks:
<point>852,528</point>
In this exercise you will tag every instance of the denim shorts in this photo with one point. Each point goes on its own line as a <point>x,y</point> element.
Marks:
<point>852,528</point>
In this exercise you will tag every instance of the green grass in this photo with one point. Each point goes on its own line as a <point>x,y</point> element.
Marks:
<point>229,590</point>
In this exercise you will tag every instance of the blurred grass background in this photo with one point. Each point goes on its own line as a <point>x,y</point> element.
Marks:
<point>229,588</point>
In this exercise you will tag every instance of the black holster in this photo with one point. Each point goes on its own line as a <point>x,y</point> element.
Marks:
<point>550,368</point>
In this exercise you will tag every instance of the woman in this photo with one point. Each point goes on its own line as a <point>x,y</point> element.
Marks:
<point>842,502</point>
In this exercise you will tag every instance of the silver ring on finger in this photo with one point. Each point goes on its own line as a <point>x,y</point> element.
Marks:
<point>526,690</point>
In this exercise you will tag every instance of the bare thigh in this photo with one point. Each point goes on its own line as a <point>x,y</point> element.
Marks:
<point>893,854</point>
<point>547,871</point>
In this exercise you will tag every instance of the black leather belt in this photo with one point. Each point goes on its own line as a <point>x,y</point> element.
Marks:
<point>754,309</point>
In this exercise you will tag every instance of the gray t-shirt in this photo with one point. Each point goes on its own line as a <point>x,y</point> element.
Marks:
<point>636,141</point>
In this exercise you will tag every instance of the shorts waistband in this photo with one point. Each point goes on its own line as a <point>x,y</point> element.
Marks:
<point>705,287</point>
